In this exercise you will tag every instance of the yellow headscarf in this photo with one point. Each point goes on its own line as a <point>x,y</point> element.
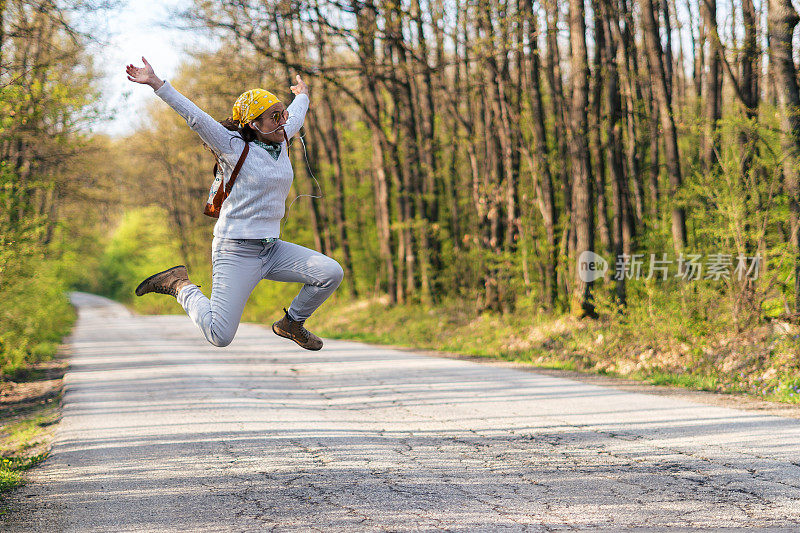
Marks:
<point>251,104</point>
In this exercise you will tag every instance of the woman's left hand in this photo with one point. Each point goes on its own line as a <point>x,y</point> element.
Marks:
<point>300,88</point>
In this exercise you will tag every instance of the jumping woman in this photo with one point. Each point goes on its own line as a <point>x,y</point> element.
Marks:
<point>247,246</point>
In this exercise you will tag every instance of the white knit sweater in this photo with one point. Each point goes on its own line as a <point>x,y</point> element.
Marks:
<point>257,201</point>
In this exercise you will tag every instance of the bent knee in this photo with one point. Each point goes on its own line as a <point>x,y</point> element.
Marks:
<point>335,273</point>
<point>220,340</point>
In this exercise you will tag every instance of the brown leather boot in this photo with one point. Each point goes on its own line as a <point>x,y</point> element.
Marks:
<point>169,281</point>
<point>294,330</point>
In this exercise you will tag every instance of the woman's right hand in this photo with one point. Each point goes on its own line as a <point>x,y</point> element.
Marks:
<point>144,75</point>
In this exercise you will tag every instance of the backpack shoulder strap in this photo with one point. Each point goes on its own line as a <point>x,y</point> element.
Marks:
<point>232,179</point>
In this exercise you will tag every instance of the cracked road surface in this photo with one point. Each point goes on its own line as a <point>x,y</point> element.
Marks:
<point>163,432</point>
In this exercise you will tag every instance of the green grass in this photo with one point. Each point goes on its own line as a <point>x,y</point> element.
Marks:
<point>687,381</point>
<point>23,443</point>
<point>11,469</point>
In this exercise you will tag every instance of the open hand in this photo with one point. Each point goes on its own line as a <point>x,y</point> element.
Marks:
<point>300,88</point>
<point>144,75</point>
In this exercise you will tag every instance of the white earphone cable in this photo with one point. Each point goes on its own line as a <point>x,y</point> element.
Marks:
<point>308,166</point>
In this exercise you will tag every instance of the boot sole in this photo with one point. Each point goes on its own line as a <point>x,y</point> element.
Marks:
<point>280,333</point>
<point>140,289</point>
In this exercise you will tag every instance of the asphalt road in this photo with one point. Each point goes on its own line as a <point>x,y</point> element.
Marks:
<point>163,432</point>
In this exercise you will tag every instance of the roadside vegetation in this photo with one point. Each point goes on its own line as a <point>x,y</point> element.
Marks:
<point>760,362</point>
<point>25,442</point>
<point>51,192</point>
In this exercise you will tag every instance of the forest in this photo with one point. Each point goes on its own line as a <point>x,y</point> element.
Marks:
<point>470,155</point>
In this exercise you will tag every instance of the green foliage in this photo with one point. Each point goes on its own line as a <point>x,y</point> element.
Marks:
<point>267,301</point>
<point>35,313</point>
<point>737,208</point>
<point>141,245</point>
<point>47,92</point>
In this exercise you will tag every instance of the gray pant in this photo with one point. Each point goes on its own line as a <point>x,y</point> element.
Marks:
<point>237,267</point>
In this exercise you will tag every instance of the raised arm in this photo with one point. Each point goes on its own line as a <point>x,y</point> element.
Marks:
<point>297,109</point>
<point>214,134</point>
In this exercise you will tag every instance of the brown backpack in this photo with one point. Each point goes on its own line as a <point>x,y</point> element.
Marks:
<point>218,194</point>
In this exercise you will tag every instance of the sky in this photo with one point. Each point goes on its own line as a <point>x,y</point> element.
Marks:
<point>134,30</point>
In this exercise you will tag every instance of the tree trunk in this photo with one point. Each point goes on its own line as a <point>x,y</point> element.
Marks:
<point>544,194</point>
<point>668,60</point>
<point>2,32</point>
<point>558,111</point>
<point>771,85</point>
<point>583,204</point>
<point>451,182</point>
<point>655,163</point>
<point>699,56</point>
<point>750,59</point>
<point>596,148</point>
<point>623,226</point>
<point>662,96</point>
<point>781,23</point>
<point>712,88</point>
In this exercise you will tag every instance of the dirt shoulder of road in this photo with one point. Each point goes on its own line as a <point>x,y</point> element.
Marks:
<point>41,384</point>
<point>30,409</point>
<point>720,399</point>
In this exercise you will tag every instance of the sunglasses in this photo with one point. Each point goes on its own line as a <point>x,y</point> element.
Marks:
<point>277,115</point>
